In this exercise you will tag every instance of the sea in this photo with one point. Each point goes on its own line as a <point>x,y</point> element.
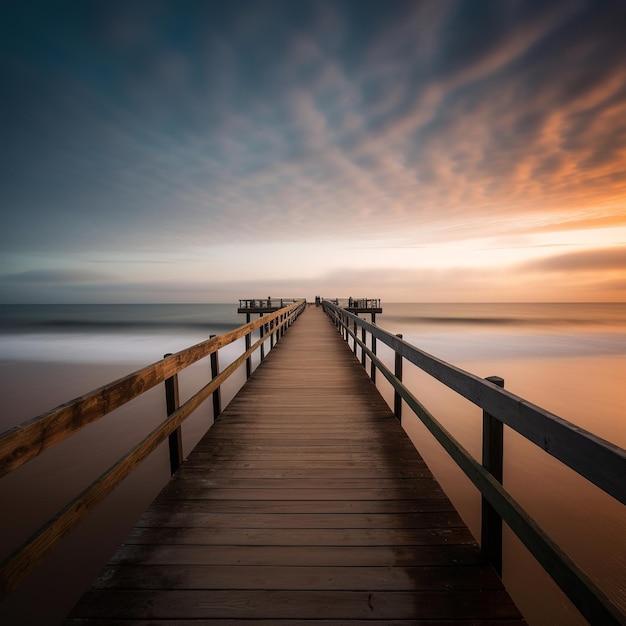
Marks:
<point>569,358</point>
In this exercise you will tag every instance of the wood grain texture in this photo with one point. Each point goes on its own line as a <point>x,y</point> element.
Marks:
<point>305,501</point>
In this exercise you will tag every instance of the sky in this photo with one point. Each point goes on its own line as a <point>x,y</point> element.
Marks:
<point>414,151</point>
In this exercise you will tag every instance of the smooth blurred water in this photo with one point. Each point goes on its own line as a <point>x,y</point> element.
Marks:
<point>117,333</point>
<point>568,358</point>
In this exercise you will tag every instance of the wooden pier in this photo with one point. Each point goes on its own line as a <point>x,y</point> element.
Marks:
<point>305,502</point>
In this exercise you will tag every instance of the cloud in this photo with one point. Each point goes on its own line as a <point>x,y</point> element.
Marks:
<point>57,276</point>
<point>618,286</point>
<point>138,127</point>
<point>501,130</point>
<point>600,260</point>
<point>53,286</point>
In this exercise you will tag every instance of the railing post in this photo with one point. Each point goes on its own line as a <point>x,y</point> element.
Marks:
<point>373,365</point>
<point>354,337</point>
<point>217,394</point>
<point>491,524</point>
<point>262,334</point>
<point>397,399</point>
<point>172,404</point>
<point>363,349</point>
<point>248,360</point>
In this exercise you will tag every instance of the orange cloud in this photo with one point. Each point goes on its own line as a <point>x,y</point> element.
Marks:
<point>604,259</point>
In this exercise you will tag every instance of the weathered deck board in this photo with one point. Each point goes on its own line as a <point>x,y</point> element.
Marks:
<point>304,502</point>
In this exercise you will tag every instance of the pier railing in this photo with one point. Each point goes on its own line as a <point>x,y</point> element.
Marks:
<point>265,303</point>
<point>23,443</point>
<point>357,303</point>
<point>597,460</point>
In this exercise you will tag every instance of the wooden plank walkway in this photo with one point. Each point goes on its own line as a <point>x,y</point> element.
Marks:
<point>305,502</point>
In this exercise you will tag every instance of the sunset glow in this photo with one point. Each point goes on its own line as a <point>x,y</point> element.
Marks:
<point>431,151</point>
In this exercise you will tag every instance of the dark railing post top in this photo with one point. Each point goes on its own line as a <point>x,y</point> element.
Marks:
<point>496,380</point>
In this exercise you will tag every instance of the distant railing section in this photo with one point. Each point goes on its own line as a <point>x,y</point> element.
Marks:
<point>597,460</point>
<point>23,443</point>
<point>356,303</point>
<point>267,303</point>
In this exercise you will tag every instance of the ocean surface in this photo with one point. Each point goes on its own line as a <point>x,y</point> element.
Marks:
<point>567,358</point>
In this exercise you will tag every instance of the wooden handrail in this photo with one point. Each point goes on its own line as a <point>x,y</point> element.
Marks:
<point>588,598</point>
<point>26,441</point>
<point>599,461</point>
<point>27,556</point>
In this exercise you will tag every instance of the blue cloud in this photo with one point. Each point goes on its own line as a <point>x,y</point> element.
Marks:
<point>64,277</point>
